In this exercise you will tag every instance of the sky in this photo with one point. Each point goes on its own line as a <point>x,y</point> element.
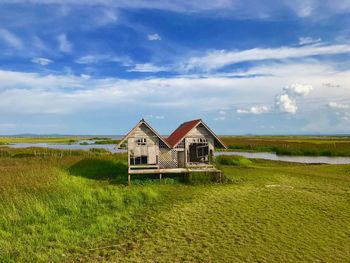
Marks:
<point>244,67</point>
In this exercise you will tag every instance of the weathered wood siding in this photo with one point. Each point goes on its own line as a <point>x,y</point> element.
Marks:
<point>198,132</point>
<point>151,149</point>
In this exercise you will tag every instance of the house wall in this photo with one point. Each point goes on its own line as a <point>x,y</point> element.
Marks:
<point>199,132</point>
<point>151,149</point>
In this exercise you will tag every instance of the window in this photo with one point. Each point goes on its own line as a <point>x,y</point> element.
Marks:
<point>202,151</point>
<point>141,141</point>
<point>199,140</point>
<point>139,160</point>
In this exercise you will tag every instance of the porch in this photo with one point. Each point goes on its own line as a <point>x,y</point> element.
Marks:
<point>160,171</point>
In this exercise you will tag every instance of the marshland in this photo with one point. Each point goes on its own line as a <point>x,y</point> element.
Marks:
<point>74,205</point>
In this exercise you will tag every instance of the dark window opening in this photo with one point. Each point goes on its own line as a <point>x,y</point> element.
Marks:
<point>139,160</point>
<point>141,141</point>
<point>199,153</point>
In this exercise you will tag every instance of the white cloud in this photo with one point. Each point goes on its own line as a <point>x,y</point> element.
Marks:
<point>109,16</point>
<point>302,8</point>
<point>99,58</point>
<point>42,61</point>
<point>60,94</point>
<point>11,39</point>
<point>298,89</point>
<point>157,117</point>
<point>286,101</point>
<point>220,118</point>
<point>154,37</point>
<point>85,76</point>
<point>308,40</point>
<point>64,44</point>
<point>286,104</point>
<point>254,110</point>
<point>89,59</point>
<point>147,67</point>
<point>337,105</point>
<point>220,58</point>
<point>239,9</point>
<point>222,112</point>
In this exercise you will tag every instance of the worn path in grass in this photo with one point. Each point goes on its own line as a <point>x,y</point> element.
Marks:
<point>272,212</point>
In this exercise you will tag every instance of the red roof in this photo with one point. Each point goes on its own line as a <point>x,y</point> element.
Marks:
<point>181,132</point>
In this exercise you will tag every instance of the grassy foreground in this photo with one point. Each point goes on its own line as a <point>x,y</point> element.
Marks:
<point>77,207</point>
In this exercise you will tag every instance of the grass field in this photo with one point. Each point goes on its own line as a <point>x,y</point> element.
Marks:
<point>77,207</point>
<point>291,145</point>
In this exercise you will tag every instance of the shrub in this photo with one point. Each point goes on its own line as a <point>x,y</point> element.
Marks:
<point>232,160</point>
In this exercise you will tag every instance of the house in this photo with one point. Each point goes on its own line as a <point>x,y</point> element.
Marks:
<point>190,148</point>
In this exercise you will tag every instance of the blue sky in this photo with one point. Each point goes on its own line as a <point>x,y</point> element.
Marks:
<point>97,67</point>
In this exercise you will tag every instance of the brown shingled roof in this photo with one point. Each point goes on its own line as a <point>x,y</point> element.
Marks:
<point>181,132</point>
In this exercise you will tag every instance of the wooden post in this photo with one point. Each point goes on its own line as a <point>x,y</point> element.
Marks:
<point>129,179</point>
<point>185,152</point>
<point>160,177</point>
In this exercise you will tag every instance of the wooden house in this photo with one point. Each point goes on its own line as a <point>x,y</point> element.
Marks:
<point>190,148</point>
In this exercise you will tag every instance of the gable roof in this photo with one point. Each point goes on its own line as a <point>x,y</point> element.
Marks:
<point>142,121</point>
<point>181,132</point>
<point>177,136</point>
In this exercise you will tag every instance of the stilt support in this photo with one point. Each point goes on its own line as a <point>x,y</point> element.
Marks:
<point>160,177</point>
<point>129,179</point>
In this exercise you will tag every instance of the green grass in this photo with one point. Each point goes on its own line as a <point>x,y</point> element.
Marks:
<point>7,140</point>
<point>77,207</point>
<point>291,145</point>
<point>109,141</point>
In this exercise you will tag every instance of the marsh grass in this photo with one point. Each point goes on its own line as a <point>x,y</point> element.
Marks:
<point>77,207</point>
<point>109,141</point>
<point>304,218</point>
<point>289,145</point>
<point>7,140</point>
<point>52,206</point>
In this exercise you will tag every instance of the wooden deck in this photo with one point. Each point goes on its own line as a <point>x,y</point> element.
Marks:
<point>173,170</point>
<point>160,171</point>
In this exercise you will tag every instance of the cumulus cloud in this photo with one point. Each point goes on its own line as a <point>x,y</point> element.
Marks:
<point>298,89</point>
<point>10,39</point>
<point>286,104</point>
<point>286,101</point>
<point>154,37</point>
<point>337,105</point>
<point>42,61</point>
<point>308,40</point>
<point>64,44</point>
<point>254,110</point>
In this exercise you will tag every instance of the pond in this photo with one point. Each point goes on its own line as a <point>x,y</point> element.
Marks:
<point>262,155</point>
